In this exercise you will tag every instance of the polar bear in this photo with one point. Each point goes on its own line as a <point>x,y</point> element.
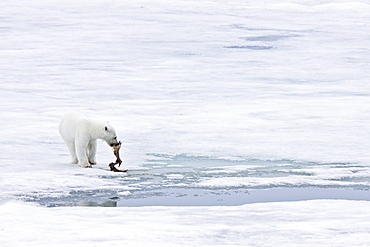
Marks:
<point>80,135</point>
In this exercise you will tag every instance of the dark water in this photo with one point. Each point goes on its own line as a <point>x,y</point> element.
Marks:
<point>192,197</point>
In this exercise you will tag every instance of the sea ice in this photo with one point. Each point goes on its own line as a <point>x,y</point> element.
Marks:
<point>304,223</point>
<point>243,94</point>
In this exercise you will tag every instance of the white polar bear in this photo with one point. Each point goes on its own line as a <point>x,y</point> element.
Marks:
<point>80,135</point>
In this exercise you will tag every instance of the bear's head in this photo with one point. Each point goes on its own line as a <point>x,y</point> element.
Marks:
<point>110,135</point>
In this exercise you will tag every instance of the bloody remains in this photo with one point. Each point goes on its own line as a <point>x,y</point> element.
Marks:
<point>116,149</point>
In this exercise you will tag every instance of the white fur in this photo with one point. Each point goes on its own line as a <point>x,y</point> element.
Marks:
<point>80,134</point>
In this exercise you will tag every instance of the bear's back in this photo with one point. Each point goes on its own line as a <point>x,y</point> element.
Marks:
<point>68,124</point>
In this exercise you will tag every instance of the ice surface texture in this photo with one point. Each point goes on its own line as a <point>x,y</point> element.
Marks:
<point>264,80</point>
<point>306,223</point>
<point>162,72</point>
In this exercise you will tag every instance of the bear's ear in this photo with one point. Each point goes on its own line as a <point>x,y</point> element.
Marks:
<point>106,128</point>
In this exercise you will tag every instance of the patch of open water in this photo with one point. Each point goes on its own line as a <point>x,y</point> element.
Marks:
<point>183,180</point>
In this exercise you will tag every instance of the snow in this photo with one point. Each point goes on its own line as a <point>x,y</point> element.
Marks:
<point>221,96</point>
<point>304,223</point>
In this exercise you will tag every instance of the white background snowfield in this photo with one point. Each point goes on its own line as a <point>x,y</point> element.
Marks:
<point>208,98</point>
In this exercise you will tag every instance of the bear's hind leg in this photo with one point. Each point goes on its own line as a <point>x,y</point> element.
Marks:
<point>81,151</point>
<point>72,151</point>
<point>91,152</point>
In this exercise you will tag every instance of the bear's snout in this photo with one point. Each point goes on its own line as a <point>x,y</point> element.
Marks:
<point>115,144</point>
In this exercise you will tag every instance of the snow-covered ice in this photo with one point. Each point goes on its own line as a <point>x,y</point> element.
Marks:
<point>304,223</point>
<point>213,100</point>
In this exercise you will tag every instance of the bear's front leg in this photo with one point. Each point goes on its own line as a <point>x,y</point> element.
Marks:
<point>81,152</point>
